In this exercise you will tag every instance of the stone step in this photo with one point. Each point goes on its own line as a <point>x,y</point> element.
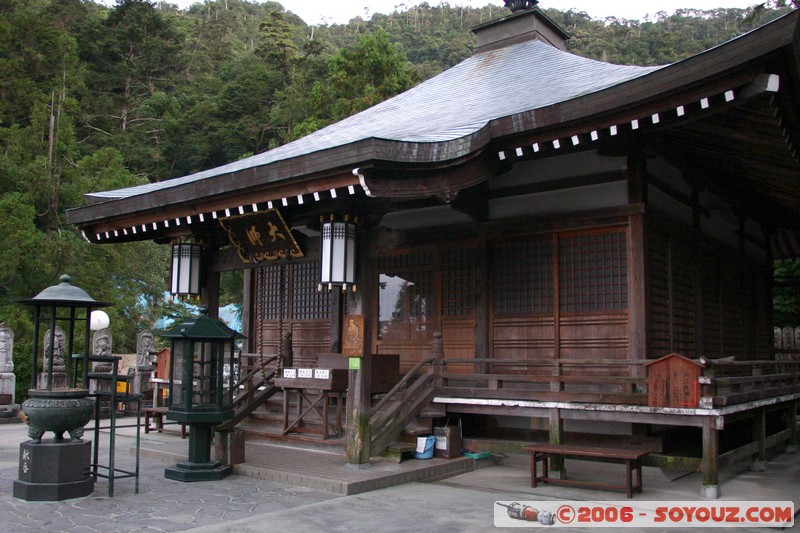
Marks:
<point>398,451</point>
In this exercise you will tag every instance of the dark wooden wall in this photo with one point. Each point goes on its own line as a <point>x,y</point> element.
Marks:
<point>704,299</point>
<point>550,296</point>
<point>286,299</point>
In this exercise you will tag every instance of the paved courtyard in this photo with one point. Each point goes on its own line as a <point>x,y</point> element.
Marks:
<point>463,503</point>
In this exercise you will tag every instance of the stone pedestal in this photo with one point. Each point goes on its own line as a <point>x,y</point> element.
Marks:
<point>186,471</point>
<point>199,466</point>
<point>141,383</point>
<point>710,492</point>
<point>229,446</point>
<point>54,470</point>
<point>8,385</point>
<point>59,380</point>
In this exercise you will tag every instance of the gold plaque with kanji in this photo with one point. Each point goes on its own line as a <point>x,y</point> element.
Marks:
<point>261,237</point>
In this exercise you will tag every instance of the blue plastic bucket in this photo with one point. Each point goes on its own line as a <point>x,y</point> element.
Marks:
<point>426,445</point>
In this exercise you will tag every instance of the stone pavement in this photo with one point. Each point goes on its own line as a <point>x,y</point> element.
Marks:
<point>241,504</point>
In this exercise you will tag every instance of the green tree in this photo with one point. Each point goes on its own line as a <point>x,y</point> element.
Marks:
<point>366,74</point>
<point>132,54</point>
<point>45,169</point>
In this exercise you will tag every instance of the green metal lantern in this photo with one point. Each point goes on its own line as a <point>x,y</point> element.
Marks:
<point>200,390</point>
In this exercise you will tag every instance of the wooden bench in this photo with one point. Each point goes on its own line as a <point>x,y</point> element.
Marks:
<point>631,458</point>
<point>157,414</point>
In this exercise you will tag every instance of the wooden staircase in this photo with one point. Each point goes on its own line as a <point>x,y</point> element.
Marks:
<point>400,407</point>
<point>406,408</point>
<point>255,386</point>
<point>406,405</point>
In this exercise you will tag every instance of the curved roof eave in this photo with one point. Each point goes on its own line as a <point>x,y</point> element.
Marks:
<point>458,112</point>
<point>443,111</point>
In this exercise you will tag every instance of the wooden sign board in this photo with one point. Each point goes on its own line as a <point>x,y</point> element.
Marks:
<point>262,236</point>
<point>672,382</point>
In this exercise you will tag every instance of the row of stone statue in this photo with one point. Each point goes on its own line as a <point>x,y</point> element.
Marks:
<point>55,349</point>
<point>145,346</point>
<point>787,338</point>
<point>787,343</point>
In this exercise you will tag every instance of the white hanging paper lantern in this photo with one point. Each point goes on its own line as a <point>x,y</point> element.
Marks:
<point>338,255</point>
<point>185,273</point>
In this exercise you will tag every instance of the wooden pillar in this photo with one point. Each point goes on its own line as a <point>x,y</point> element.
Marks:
<point>482,306</point>
<point>710,464</point>
<point>791,442</point>
<point>698,257</point>
<point>209,295</point>
<point>745,305</point>
<point>637,266</point>
<point>637,294</point>
<point>286,351</point>
<point>759,463</point>
<point>437,352</point>
<point>557,469</point>
<point>248,283</point>
<point>337,312</point>
<point>360,391</point>
<point>637,275</point>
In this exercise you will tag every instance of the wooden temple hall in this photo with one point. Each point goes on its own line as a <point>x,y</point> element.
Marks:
<point>542,247</point>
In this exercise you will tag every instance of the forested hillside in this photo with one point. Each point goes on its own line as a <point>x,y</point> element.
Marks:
<point>94,98</point>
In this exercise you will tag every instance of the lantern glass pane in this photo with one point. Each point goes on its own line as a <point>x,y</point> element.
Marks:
<point>203,374</point>
<point>180,354</point>
<point>325,255</point>
<point>176,269</point>
<point>350,275</point>
<point>338,252</point>
<point>193,286</point>
<point>229,371</point>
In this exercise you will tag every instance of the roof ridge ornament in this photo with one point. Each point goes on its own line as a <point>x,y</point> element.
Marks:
<point>520,5</point>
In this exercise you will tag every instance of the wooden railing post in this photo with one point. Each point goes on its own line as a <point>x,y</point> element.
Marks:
<point>556,385</point>
<point>286,354</point>
<point>708,388</point>
<point>437,352</point>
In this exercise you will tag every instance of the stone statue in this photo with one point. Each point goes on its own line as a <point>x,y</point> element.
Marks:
<point>58,350</point>
<point>57,355</point>
<point>101,342</point>
<point>145,349</point>
<point>6,349</point>
<point>8,380</point>
<point>102,345</point>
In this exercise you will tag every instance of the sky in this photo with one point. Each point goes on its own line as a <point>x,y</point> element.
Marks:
<point>341,11</point>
